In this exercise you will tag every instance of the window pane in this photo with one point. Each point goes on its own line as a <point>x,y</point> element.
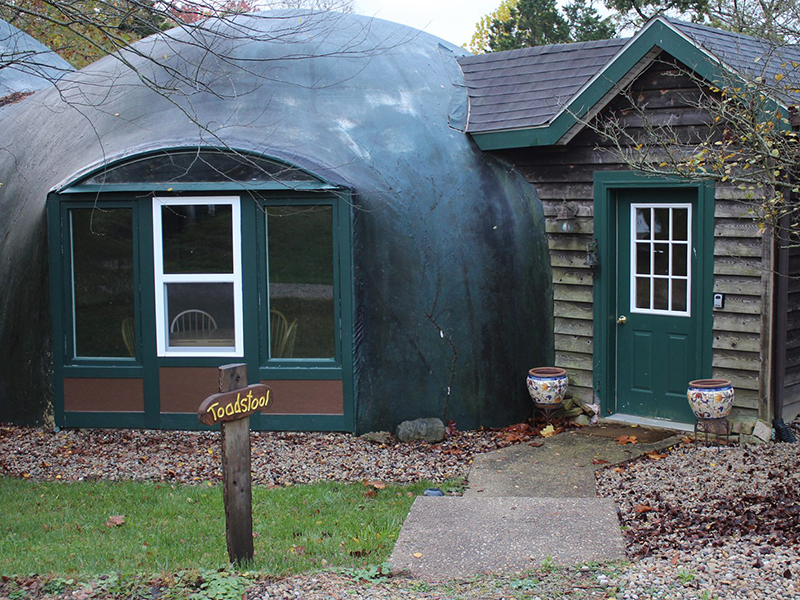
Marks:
<point>642,292</point>
<point>643,258</point>
<point>661,223</point>
<point>679,259</point>
<point>661,259</point>
<point>300,250</point>
<point>679,295</point>
<point>202,166</point>
<point>642,223</point>
<point>103,289</point>
<point>680,219</point>
<point>661,294</point>
<point>197,238</point>
<point>200,315</point>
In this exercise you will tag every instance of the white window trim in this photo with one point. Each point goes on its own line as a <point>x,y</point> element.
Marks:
<point>671,278</point>
<point>162,279</point>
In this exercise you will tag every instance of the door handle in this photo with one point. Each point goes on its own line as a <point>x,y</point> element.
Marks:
<point>622,320</point>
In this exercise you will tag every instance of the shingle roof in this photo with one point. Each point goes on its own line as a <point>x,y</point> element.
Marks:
<point>525,88</point>
<point>752,57</point>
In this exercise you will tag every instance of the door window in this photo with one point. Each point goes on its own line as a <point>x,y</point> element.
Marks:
<point>660,256</point>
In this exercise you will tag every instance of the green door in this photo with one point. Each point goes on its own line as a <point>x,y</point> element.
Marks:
<point>658,302</point>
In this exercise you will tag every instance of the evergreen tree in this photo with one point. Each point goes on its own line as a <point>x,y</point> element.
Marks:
<point>525,23</point>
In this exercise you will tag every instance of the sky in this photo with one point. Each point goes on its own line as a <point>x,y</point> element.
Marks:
<point>451,20</point>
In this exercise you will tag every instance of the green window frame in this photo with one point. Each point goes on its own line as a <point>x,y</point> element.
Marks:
<point>254,199</point>
<point>71,356</point>
<point>306,368</point>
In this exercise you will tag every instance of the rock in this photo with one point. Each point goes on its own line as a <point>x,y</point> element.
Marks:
<point>762,431</point>
<point>742,425</point>
<point>573,412</point>
<point>429,430</point>
<point>589,409</point>
<point>750,439</point>
<point>568,403</point>
<point>582,420</point>
<point>378,437</point>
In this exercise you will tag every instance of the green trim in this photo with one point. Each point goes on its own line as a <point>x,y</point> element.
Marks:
<point>605,232</point>
<point>268,186</point>
<point>189,421</point>
<point>147,364</point>
<point>316,374</point>
<point>104,420</point>
<point>104,372</point>
<point>57,287</point>
<point>658,34</point>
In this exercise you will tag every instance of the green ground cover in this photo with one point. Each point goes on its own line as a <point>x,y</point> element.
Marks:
<point>60,528</point>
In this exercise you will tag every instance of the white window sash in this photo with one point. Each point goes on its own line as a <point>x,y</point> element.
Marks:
<point>161,279</point>
<point>651,276</point>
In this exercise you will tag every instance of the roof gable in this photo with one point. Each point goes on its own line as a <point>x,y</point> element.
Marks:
<point>561,116</point>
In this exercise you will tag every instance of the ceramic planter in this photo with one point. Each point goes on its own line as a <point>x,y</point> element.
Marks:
<point>547,385</point>
<point>710,398</point>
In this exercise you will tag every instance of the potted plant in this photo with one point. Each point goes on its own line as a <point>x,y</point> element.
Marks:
<point>710,398</point>
<point>547,385</point>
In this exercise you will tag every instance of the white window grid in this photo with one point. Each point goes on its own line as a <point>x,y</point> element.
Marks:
<point>163,279</point>
<point>669,276</point>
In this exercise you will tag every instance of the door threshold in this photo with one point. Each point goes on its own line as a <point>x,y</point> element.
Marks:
<point>645,422</point>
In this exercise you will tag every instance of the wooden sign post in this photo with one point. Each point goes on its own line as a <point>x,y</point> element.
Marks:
<point>232,408</point>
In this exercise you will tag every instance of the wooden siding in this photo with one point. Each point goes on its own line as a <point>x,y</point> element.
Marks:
<point>791,383</point>
<point>566,174</point>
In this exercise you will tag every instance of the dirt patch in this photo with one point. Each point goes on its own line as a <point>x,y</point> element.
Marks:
<point>642,434</point>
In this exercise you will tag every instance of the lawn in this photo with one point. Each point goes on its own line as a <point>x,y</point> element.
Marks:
<point>61,528</point>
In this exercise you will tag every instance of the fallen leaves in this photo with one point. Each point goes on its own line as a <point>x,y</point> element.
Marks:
<point>599,461</point>
<point>115,521</point>
<point>642,508</point>
<point>655,455</point>
<point>627,439</point>
<point>548,431</point>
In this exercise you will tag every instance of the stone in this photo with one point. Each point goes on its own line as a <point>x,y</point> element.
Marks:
<point>589,409</point>
<point>378,437</point>
<point>762,431</point>
<point>582,420</point>
<point>573,412</point>
<point>750,439</point>
<point>429,430</point>
<point>742,425</point>
<point>568,403</point>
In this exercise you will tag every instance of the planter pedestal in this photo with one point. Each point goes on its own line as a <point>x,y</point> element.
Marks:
<point>716,427</point>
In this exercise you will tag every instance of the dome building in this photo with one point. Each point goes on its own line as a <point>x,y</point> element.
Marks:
<point>302,199</point>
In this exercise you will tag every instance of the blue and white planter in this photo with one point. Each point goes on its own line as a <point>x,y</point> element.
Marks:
<point>547,385</point>
<point>710,398</point>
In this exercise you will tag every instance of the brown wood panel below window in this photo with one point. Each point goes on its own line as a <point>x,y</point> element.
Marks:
<point>305,397</point>
<point>183,389</point>
<point>103,395</point>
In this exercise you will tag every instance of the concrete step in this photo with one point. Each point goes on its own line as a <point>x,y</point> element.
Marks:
<point>451,537</point>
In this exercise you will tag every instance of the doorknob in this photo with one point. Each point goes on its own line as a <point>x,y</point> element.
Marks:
<point>622,320</point>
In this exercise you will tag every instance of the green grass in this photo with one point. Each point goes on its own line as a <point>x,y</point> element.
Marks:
<point>59,528</point>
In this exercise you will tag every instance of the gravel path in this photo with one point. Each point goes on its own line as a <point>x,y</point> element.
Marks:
<point>700,523</point>
<point>709,523</point>
<point>278,458</point>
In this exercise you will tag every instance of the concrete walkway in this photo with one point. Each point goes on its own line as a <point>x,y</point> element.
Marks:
<point>524,504</point>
